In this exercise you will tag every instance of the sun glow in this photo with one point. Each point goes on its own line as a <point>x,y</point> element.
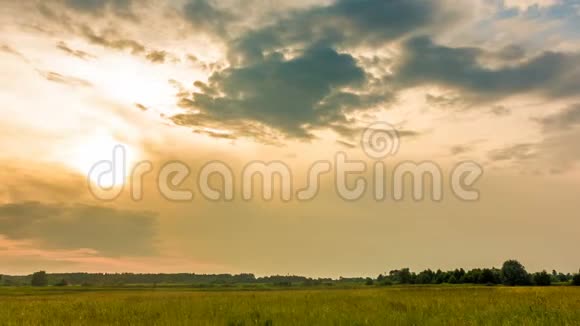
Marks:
<point>100,148</point>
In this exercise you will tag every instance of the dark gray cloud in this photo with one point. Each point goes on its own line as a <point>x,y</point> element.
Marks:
<point>377,21</point>
<point>551,73</point>
<point>296,71</point>
<point>287,95</point>
<point>509,53</point>
<point>444,101</point>
<point>110,231</point>
<point>562,121</point>
<point>250,91</point>
<point>205,15</point>
<point>345,22</point>
<point>289,76</point>
<point>99,6</point>
<point>204,124</point>
<point>354,133</point>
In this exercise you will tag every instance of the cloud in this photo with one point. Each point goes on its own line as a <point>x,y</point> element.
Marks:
<point>260,87</point>
<point>7,49</point>
<point>560,150</point>
<point>205,16</point>
<point>524,4</point>
<point>62,79</point>
<point>157,56</point>
<point>344,22</point>
<point>557,152</point>
<point>517,152</point>
<point>141,107</point>
<point>24,257</point>
<point>444,101</point>
<point>39,181</point>
<point>561,121</point>
<point>550,73</point>
<point>109,231</point>
<point>204,124</point>
<point>346,144</point>
<point>75,53</point>
<point>460,149</point>
<point>110,42</point>
<point>100,6</point>
<point>48,75</point>
<point>499,110</point>
<point>285,94</point>
<point>375,21</point>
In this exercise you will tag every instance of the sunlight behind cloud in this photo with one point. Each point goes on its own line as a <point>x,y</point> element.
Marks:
<point>88,152</point>
<point>130,81</point>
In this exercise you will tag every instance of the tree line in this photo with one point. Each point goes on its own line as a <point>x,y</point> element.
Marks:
<point>512,273</point>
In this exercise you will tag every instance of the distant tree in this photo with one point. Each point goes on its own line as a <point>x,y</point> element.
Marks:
<point>452,280</point>
<point>440,277</point>
<point>576,279</point>
<point>39,279</point>
<point>459,274</point>
<point>471,276</point>
<point>514,273</point>
<point>542,279</point>
<point>369,281</point>
<point>564,277</point>
<point>403,276</point>
<point>386,282</point>
<point>425,277</point>
<point>380,278</point>
<point>489,276</point>
<point>62,282</point>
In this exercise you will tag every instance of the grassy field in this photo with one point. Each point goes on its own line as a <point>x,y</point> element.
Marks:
<point>431,305</point>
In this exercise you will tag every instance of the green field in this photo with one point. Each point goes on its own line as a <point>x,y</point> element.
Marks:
<point>428,305</point>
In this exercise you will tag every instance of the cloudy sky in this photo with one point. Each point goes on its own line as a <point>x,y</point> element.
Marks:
<point>496,82</point>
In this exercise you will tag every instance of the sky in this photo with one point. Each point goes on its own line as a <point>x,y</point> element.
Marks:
<point>492,83</point>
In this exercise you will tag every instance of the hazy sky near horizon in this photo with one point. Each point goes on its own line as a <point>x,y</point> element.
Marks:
<point>496,82</point>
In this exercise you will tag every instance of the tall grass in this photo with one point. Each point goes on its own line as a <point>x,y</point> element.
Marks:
<point>459,305</point>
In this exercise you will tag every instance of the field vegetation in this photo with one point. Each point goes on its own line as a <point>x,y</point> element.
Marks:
<point>370,305</point>
<point>506,296</point>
